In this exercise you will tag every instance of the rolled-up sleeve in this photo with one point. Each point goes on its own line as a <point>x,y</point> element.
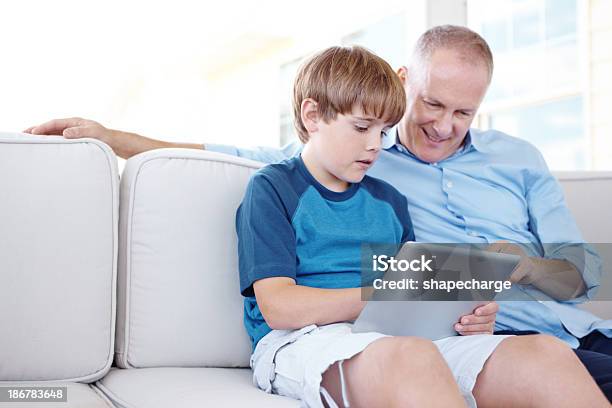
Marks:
<point>552,222</point>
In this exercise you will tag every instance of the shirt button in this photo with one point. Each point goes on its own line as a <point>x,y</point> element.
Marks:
<point>434,164</point>
<point>472,233</point>
<point>449,184</point>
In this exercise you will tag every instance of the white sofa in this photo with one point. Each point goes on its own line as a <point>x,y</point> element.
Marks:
<point>142,273</point>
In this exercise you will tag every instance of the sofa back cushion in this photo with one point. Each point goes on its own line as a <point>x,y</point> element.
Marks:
<point>179,301</point>
<point>589,196</point>
<point>58,253</point>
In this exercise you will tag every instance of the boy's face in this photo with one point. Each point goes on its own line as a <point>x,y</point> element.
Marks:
<point>341,151</point>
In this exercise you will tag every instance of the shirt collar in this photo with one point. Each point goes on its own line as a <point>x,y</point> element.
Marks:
<point>472,142</point>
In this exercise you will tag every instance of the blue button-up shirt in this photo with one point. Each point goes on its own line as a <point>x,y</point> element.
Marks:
<point>495,187</point>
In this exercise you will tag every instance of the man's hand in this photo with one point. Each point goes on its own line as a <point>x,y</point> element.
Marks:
<point>558,278</point>
<point>124,144</point>
<point>72,128</point>
<point>76,128</point>
<point>524,273</point>
<point>482,321</point>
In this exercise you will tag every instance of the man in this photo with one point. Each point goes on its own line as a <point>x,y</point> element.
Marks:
<point>463,185</point>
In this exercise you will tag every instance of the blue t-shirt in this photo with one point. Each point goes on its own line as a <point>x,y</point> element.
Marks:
<point>289,225</point>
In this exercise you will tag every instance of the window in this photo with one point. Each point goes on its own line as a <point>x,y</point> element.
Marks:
<point>537,89</point>
<point>387,38</point>
<point>554,127</point>
<point>287,77</point>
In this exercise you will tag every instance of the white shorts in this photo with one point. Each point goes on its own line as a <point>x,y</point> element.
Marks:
<point>292,362</point>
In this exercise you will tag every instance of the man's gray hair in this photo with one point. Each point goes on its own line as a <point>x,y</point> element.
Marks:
<point>469,44</point>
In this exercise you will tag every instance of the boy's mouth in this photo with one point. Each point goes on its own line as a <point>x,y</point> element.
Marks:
<point>365,163</point>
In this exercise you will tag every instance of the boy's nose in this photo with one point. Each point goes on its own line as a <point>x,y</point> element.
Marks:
<point>374,143</point>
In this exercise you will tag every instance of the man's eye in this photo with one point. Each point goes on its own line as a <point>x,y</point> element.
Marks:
<point>432,104</point>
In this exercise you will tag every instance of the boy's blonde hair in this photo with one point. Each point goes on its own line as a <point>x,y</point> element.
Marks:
<point>339,78</point>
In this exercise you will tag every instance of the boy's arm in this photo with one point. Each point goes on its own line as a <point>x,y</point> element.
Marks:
<point>286,305</point>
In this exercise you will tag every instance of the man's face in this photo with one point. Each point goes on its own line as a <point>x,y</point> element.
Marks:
<point>442,100</point>
<point>342,150</point>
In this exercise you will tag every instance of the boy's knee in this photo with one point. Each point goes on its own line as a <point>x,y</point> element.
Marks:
<point>405,354</point>
<point>551,347</point>
<point>544,343</point>
<point>540,350</point>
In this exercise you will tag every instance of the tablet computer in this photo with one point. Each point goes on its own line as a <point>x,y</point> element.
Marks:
<point>430,319</point>
<point>402,313</point>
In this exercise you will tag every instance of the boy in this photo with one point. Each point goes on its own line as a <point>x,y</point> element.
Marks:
<point>300,228</point>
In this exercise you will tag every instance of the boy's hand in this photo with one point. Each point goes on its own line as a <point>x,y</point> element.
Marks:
<point>482,321</point>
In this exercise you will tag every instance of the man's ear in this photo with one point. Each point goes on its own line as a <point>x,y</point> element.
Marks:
<point>310,115</point>
<point>402,73</point>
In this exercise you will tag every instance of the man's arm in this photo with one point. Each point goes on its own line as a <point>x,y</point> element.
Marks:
<point>124,144</point>
<point>568,268</point>
<point>286,305</point>
<point>262,154</point>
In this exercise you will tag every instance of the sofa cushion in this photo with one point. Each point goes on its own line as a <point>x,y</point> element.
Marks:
<point>77,396</point>
<point>588,195</point>
<point>187,388</point>
<point>179,302</point>
<point>58,250</point>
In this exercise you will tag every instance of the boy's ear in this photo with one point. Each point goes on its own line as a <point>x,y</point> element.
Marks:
<point>310,115</point>
<point>402,73</point>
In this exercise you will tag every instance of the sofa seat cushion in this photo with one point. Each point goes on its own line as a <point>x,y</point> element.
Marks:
<point>78,396</point>
<point>187,388</point>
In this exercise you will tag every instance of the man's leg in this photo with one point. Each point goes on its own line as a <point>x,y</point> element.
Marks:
<point>596,342</point>
<point>599,366</point>
<point>395,372</point>
<point>595,352</point>
<point>536,371</point>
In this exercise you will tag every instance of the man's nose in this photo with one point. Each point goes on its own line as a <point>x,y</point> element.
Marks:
<point>444,126</point>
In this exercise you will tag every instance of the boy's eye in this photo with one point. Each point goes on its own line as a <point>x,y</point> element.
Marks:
<point>361,128</point>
